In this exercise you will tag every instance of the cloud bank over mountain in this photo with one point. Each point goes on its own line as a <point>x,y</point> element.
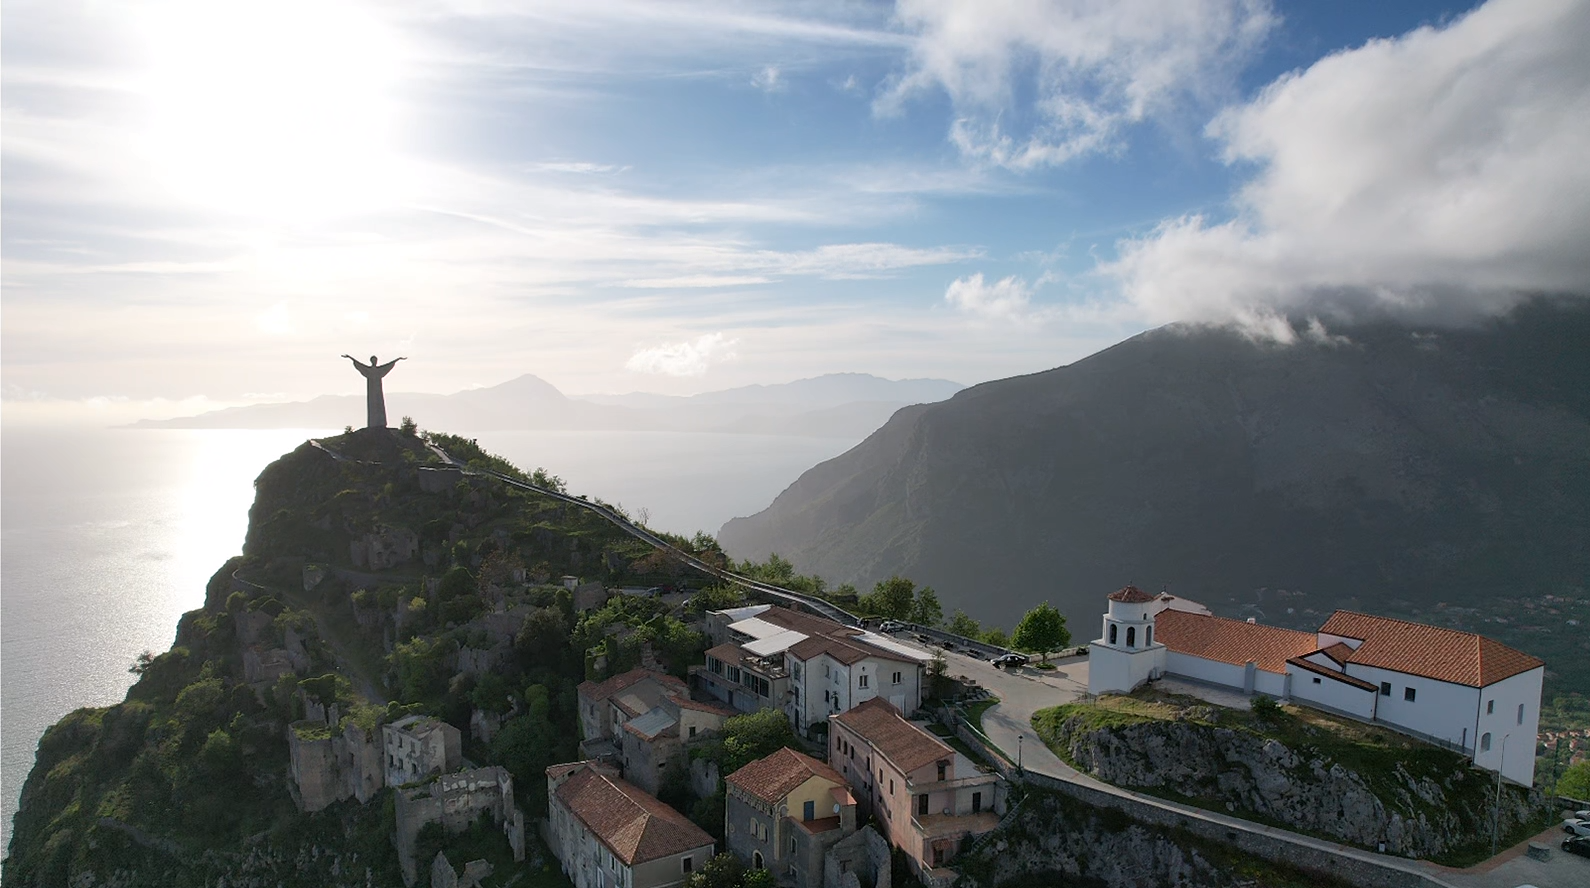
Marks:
<point>1439,175</point>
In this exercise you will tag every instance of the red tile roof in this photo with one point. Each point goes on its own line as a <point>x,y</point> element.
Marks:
<point>634,826</point>
<point>1231,641</point>
<point>1338,652</point>
<point>773,777</point>
<point>1430,651</point>
<point>1328,672</point>
<point>1131,595</point>
<point>881,725</point>
<point>604,690</point>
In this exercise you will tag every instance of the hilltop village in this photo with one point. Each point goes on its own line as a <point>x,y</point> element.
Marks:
<point>431,668</point>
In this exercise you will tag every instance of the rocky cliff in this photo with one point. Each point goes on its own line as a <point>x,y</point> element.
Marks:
<point>1421,801</point>
<point>1056,840</point>
<point>1432,464</point>
<point>374,583</point>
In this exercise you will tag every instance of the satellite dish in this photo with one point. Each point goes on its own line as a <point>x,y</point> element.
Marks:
<point>836,807</point>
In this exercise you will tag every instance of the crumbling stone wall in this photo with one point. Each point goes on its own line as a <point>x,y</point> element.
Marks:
<point>455,801</point>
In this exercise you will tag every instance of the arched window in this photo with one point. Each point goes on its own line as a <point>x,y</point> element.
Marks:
<point>1485,742</point>
<point>1112,633</point>
<point>1148,637</point>
<point>756,860</point>
<point>1131,636</point>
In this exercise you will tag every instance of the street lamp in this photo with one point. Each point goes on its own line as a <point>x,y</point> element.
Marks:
<point>1496,819</point>
<point>1019,739</point>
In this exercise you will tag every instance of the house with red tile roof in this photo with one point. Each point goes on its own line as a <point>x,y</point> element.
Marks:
<point>1456,689</point>
<point>924,796</point>
<point>644,718</point>
<point>783,812</point>
<point>811,667</point>
<point>609,833</point>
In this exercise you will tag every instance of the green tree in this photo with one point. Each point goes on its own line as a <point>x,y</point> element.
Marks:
<point>961,624</point>
<point>1575,782</point>
<point>996,637</point>
<point>722,871</point>
<point>1041,631</point>
<point>927,611</point>
<point>891,599</point>
<point>749,737</point>
<point>938,675</point>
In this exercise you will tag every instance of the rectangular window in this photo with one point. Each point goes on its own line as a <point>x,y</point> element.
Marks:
<point>1520,713</point>
<point>825,670</point>
<point>898,679</point>
<point>891,786</point>
<point>922,805</point>
<point>943,769</point>
<point>862,681</point>
<point>1385,689</point>
<point>686,864</point>
<point>1316,681</point>
<point>1408,694</point>
<point>1490,707</point>
<point>692,730</point>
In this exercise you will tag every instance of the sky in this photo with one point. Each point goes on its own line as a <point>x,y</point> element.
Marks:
<point>206,202</point>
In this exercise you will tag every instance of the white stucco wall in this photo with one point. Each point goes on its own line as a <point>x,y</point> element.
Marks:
<point>1116,670</point>
<point>1203,670</point>
<point>1440,709</point>
<point>1331,694</point>
<point>1502,721</point>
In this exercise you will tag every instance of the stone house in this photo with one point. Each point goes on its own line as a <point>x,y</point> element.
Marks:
<point>417,746</point>
<point>784,812</point>
<point>1457,689</point>
<point>331,759</point>
<point>608,833</point>
<point>455,801</point>
<point>925,797</point>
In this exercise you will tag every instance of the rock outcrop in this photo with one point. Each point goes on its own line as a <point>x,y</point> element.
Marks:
<point>1429,804</point>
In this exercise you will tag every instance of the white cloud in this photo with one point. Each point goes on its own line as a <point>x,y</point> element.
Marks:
<point>1008,298</point>
<point>1438,175</point>
<point>1093,68</point>
<point>684,358</point>
<point>693,281</point>
<point>276,320</point>
<point>767,79</point>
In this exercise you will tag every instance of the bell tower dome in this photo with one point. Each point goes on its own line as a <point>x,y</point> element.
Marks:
<point>1126,654</point>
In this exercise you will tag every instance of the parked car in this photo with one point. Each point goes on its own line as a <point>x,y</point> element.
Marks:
<point>1579,845</point>
<point>1576,827</point>
<point>1582,815</point>
<point>1011,660</point>
<point>891,626</point>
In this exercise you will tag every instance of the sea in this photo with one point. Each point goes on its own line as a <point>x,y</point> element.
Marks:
<point>108,535</point>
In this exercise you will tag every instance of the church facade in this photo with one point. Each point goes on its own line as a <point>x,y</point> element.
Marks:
<point>1457,689</point>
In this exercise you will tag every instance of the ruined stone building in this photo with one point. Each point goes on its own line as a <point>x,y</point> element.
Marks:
<point>456,801</point>
<point>417,746</point>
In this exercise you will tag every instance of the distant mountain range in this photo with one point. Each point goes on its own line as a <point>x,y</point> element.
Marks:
<point>839,404</point>
<point>1417,464</point>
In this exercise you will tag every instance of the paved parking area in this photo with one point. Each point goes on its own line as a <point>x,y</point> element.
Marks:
<point>1021,692</point>
<point>1514,867</point>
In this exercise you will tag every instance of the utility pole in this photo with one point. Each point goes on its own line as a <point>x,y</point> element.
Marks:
<point>1020,739</point>
<point>1496,819</point>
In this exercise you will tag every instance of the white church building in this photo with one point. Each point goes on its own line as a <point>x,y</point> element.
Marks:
<point>1459,689</point>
